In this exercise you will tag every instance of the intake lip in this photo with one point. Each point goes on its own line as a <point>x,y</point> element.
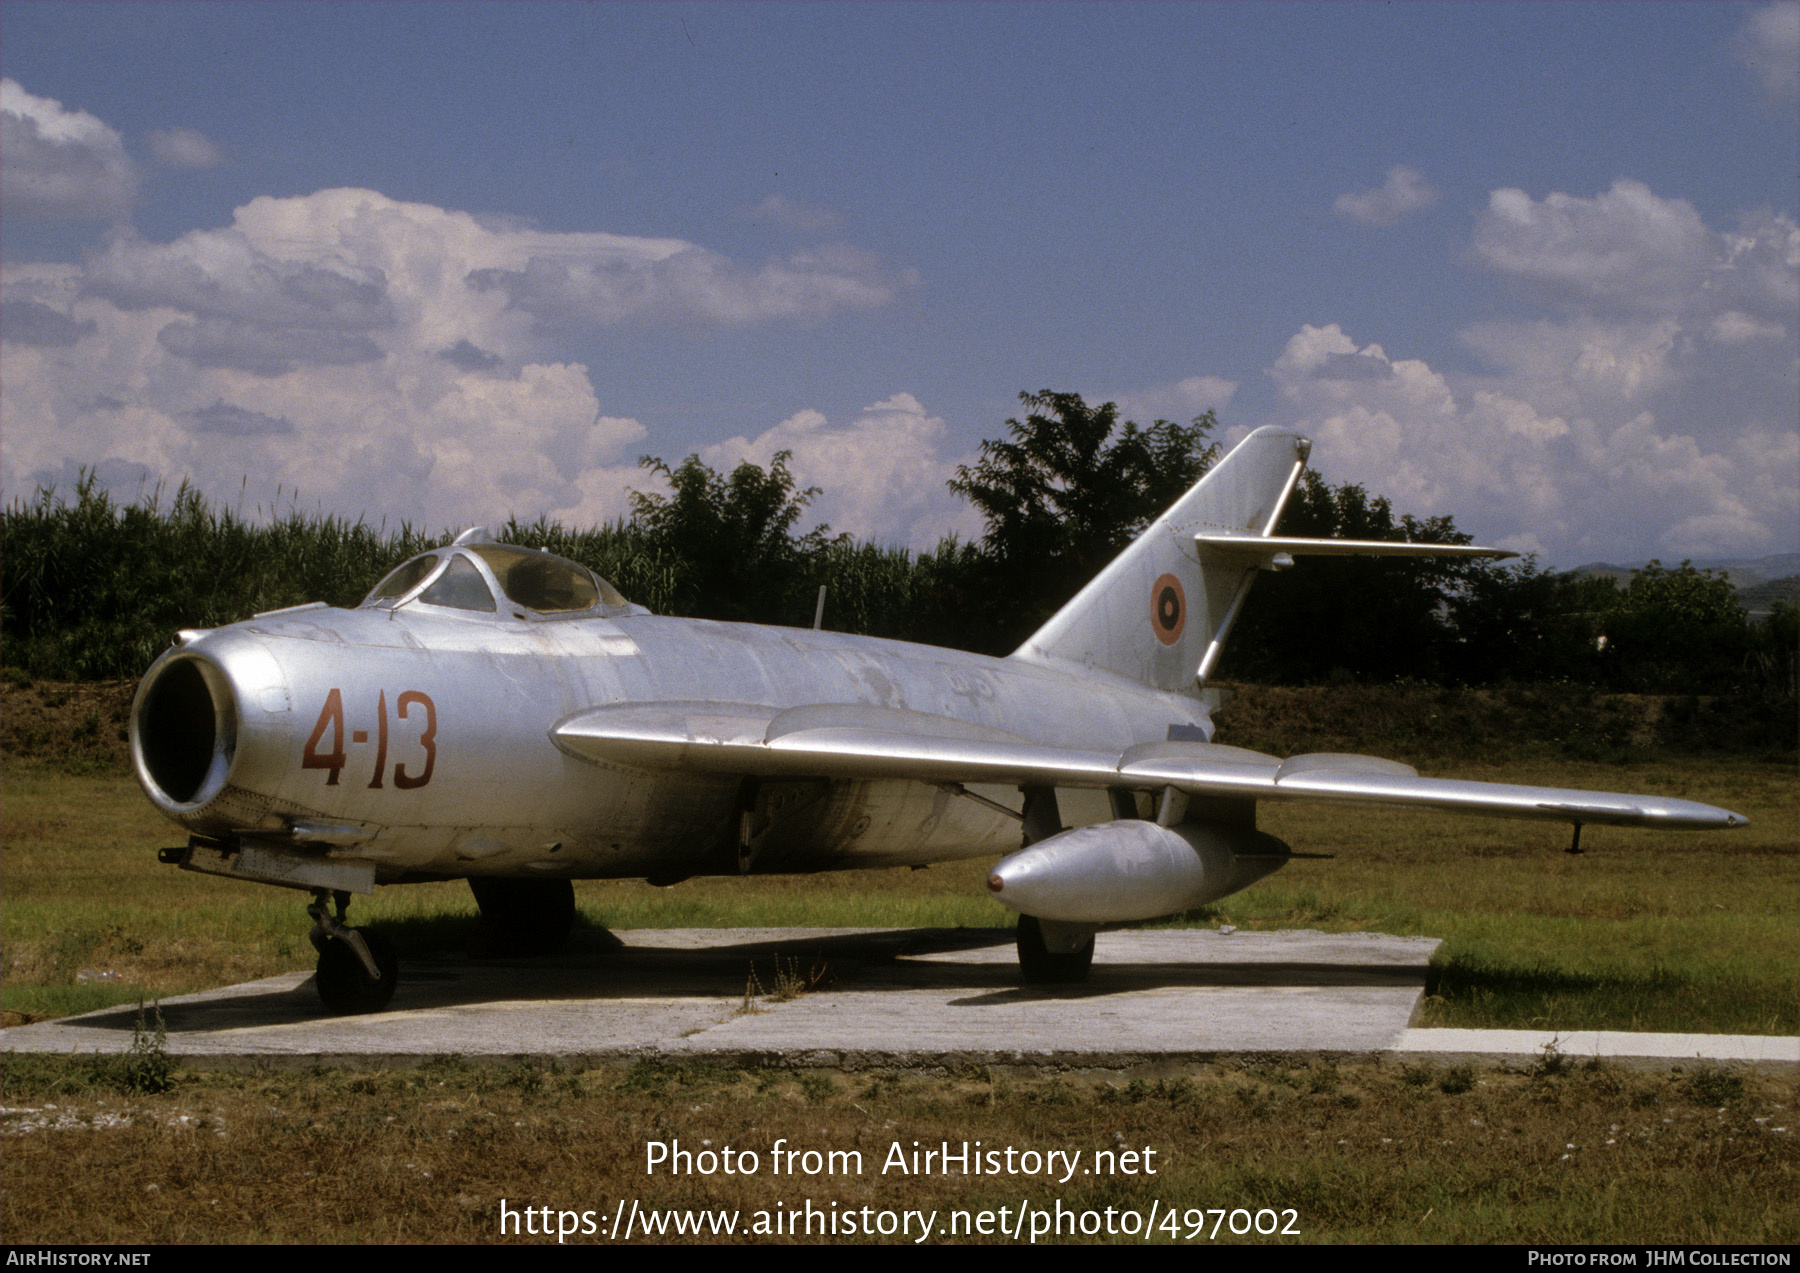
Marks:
<point>184,726</point>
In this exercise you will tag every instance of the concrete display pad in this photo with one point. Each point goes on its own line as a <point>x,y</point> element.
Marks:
<point>887,998</point>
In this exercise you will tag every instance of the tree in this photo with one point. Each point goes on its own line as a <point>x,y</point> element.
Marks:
<point>1519,622</point>
<point>1774,656</point>
<point>1064,494</point>
<point>1362,618</point>
<point>729,540</point>
<point>1677,631</point>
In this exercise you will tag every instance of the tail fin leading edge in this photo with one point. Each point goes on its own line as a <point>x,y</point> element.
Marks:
<point>1160,612</point>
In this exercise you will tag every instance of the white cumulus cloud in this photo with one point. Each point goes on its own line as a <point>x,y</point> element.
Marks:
<point>881,476</point>
<point>1180,401</point>
<point>385,358</point>
<point>60,164</point>
<point>1403,193</point>
<point>185,148</point>
<point>1654,408</point>
<point>1769,44</point>
<point>1586,443</point>
<point>782,210</point>
<point>1651,407</point>
<point>1631,249</point>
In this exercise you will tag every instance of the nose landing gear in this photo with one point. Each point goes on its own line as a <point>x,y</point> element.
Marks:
<point>357,967</point>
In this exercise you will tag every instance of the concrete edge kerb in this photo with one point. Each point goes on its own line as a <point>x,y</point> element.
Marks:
<point>971,1063</point>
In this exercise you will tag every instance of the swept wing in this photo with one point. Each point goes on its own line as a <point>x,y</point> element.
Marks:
<point>851,741</point>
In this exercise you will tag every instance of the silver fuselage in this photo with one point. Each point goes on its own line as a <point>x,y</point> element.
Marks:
<point>421,740</point>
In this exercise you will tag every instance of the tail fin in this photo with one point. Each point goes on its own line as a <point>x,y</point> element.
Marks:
<point>1159,614</point>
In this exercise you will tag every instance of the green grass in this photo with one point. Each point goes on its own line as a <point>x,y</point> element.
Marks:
<point>1356,1152</point>
<point>1646,931</point>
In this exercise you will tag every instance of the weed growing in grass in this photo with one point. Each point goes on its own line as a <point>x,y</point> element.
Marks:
<point>1181,1091</point>
<point>1322,1078</point>
<point>528,1077</point>
<point>790,984</point>
<point>1456,1080</point>
<point>445,1065</point>
<point>1133,1093</point>
<point>1712,1085</point>
<point>1552,1062</point>
<point>1257,1101</point>
<point>648,1078</point>
<point>1307,907</point>
<point>657,1079</point>
<point>148,1067</point>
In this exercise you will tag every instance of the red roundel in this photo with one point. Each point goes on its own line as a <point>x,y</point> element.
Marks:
<point>1168,609</point>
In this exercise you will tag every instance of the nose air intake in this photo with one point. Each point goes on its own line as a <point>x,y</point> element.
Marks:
<point>184,732</point>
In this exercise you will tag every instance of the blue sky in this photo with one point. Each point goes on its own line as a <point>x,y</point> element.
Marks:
<point>1533,265</point>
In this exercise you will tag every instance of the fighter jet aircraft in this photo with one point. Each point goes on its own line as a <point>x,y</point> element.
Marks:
<point>503,715</point>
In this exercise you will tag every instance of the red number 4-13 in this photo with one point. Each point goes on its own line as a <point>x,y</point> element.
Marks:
<point>331,717</point>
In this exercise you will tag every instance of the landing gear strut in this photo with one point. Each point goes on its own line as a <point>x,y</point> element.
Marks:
<point>521,917</point>
<point>1050,953</point>
<point>357,968</point>
<point>1059,957</point>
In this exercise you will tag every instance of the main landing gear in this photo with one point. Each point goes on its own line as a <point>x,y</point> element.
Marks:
<point>521,918</point>
<point>357,967</point>
<point>1052,954</point>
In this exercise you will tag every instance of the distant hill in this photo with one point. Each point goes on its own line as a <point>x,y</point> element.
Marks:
<point>1758,599</point>
<point>1760,581</point>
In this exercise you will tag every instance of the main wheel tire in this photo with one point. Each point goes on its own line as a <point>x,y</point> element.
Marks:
<point>521,917</point>
<point>345,985</point>
<point>1041,966</point>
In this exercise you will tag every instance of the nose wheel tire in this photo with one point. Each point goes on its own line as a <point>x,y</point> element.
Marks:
<point>1040,966</point>
<point>345,986</point>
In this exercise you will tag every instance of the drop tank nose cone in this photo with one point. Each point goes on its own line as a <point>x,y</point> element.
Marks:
<point>1132,869</point>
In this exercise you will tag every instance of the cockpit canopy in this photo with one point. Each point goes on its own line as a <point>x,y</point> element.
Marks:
<point>476,574</point>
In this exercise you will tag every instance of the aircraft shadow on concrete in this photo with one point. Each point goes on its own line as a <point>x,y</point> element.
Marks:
<point>1117,978</point>
<point>599,967</point>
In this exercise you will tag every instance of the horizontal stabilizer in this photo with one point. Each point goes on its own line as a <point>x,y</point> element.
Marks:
<point>1268,545</point>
